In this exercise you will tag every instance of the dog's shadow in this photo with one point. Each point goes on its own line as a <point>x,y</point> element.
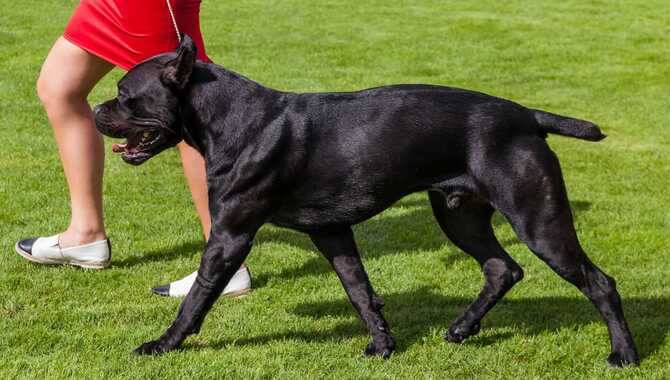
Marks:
<point>409,225</point>
<point>414,314</point>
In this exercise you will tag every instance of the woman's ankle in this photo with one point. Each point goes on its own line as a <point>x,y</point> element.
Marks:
<point>75,236</point>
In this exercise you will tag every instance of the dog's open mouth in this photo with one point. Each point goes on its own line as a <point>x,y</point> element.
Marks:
<point>137,147</point>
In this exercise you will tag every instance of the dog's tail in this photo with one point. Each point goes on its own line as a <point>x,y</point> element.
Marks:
<point>567,126</point>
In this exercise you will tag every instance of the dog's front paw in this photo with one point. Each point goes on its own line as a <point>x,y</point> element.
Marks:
<point>383,348</point>
<point>154,348</point>
<point>623,359</point>
<point>457,333</point>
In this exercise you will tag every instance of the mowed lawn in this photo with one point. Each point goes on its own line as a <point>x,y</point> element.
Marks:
<point>605,61</point>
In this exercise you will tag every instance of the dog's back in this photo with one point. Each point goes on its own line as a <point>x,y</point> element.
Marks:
<point>362,151</point>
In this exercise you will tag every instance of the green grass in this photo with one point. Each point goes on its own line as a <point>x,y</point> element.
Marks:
<point>605,61</point>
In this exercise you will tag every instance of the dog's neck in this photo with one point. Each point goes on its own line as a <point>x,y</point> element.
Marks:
<point>220,109</point>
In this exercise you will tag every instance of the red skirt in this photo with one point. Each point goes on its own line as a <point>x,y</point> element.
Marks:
<point>126,32</point>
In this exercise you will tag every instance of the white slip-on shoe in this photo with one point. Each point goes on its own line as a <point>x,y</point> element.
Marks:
<point>239,285</point>
<point>46,250</point>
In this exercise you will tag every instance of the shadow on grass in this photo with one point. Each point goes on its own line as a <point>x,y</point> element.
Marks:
<point>413,314</point>
<point>183,249</point>
<point>415,230</point>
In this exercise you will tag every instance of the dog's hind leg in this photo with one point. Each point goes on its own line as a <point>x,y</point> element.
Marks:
<point>536,204</point>
<point>467,223</point>
<point>341,251</point>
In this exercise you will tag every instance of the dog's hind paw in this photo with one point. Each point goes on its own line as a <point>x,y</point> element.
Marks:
<point>624,359</point>
<point>153,348</point>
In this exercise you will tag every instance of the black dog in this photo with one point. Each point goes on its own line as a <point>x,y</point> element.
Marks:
<point>322,162</point>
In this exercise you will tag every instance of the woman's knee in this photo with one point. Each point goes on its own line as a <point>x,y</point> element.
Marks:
<point>54,93</point>
<point>68,75</point>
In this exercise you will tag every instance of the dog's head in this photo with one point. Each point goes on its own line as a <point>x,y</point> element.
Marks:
<point>146,111</point>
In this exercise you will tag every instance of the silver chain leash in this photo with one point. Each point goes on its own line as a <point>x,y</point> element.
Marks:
<point>174,21</point>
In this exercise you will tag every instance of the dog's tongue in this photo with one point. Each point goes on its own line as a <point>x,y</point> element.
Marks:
<point>119,148</point>
<point>131,142</point>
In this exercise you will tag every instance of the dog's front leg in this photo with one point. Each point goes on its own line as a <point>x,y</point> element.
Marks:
<point>341,251</point>
<point>223,256</point>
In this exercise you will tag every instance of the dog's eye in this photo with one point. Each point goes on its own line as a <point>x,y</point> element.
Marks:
<point>125,99</point>
<point>123,95</point>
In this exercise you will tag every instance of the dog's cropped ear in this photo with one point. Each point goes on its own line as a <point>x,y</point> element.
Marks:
<point>178,71</point>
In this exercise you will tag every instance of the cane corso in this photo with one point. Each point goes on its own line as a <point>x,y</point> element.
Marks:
<point>322,162</point>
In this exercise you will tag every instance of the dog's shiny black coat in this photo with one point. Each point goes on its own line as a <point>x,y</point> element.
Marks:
<point>322,162</point>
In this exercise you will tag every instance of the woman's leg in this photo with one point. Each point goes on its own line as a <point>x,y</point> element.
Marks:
<point>194,170</point>
<point>68,75</point>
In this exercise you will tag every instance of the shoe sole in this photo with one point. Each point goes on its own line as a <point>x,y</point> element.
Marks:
<point>80,264</point>
<point>234,295</point>
<point>237,294</point>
